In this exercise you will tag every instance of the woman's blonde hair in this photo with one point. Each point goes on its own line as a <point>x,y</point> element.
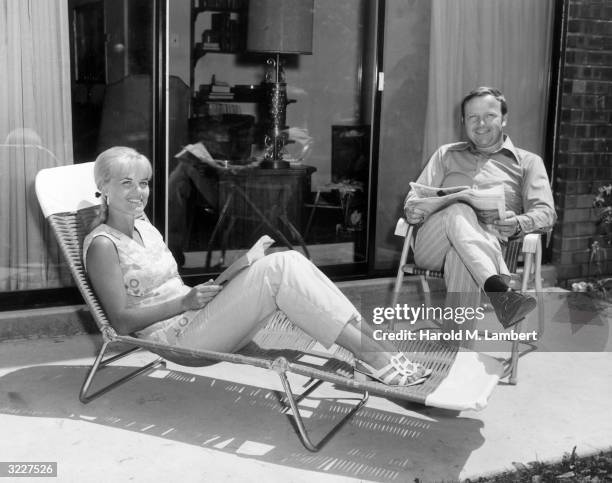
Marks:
<point>113,162</point>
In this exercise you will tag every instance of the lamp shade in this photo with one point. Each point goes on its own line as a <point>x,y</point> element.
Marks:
<point>280,26</point>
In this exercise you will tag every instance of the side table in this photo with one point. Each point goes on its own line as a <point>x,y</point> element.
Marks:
<point>253,198</point>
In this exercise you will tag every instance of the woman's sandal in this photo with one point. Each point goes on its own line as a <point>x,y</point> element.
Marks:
<point>411,373</point>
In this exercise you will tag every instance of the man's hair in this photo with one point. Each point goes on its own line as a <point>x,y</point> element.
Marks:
<point>481,92</point>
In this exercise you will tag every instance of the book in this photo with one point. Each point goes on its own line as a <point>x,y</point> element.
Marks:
<point>257,251</point>
<point>220,95</point>
<point>211,46</point>
<point>220,88</point>
<point>430,199</point>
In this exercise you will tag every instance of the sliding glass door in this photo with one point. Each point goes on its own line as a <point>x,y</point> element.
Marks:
<point>225,188</point>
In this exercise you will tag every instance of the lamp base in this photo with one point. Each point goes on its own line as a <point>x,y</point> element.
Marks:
<point>274,164</point>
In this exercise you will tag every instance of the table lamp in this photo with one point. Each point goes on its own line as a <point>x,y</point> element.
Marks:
<point>278,27</point>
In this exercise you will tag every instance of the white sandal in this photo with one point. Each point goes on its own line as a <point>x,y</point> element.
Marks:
<point>411,373</point>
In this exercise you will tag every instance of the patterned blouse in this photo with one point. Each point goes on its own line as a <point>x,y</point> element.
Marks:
<point>150,276</point>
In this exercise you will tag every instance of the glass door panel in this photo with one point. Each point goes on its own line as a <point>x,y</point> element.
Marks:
<point>227,188</point>
<point>80,76</point>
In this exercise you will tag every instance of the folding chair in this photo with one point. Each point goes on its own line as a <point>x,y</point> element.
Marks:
<point>527,247</point>
<point>460,379</point>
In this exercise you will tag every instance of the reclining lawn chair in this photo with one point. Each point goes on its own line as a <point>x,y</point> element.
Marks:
<point>460,379</point>
<point>527,247</point>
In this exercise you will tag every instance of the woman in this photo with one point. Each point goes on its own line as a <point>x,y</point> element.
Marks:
<point>137,282</point>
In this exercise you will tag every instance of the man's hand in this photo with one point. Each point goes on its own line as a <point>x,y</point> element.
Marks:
<point>414,216</point>
<point>509,225</point>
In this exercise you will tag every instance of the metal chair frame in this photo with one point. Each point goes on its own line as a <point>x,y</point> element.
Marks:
<point>66,196</point>
<point>280,365</point>
<point>530,246</point>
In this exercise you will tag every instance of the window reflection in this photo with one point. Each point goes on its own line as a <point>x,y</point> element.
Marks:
<point>35,133</point>
<point>317,204</point>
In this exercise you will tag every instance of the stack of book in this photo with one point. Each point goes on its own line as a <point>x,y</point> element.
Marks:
<point>220,91</point>
<point>225,4</point>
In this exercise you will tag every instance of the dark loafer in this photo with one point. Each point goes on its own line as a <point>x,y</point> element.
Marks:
<point>511,307</point>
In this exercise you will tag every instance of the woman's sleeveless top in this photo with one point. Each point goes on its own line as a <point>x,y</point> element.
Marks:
<point>150,275</point>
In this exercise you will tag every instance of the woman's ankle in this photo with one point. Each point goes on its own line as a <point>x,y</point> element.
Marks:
<point>377,360</point>
<point>357,337</point>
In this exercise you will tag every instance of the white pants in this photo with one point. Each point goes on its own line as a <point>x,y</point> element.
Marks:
<point>453,240</point>
<point>285,281</point>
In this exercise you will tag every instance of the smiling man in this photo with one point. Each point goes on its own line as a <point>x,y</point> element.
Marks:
<point>455,239</point>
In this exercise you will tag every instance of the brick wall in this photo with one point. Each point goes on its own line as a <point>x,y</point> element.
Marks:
<point>584,150</point>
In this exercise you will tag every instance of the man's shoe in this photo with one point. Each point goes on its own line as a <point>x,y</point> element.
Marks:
<point>511,307</point>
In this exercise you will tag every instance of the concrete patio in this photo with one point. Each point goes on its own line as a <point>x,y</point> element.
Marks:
<point>225,423</point>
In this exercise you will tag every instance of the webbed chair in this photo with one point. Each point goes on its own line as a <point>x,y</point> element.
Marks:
<point>460,379</point>
<point>526,248</point>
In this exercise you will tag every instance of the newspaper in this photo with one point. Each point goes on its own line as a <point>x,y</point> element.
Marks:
<point>199,152</point>
<point>257,251</point>
<point>430,199</point>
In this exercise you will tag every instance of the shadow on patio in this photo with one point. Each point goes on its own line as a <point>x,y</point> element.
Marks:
<point>249,421</point>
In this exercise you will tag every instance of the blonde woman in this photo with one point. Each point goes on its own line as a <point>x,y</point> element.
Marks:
<point>137,281</point>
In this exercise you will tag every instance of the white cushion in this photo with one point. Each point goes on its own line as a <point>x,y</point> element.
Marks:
<point>66,188</point>
<point>469,383</point>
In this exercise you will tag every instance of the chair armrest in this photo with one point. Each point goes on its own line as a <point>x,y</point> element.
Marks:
<point>530,242</point>
<point>401,227</point>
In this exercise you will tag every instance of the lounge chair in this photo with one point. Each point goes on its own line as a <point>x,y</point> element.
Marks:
<point>460,379</point>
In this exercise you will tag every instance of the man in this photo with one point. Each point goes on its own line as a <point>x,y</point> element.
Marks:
<point>455,238</point>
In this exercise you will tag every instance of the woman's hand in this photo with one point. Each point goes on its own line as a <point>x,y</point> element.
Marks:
<point>414,216</point>
<point>200,295</point>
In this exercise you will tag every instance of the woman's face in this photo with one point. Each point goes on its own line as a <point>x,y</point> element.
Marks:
<point>128,189</point>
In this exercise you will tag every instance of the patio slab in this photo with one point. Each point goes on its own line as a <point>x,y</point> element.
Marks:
<point>224,423</point>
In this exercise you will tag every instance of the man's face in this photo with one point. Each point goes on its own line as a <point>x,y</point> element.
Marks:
<point>484,122</point>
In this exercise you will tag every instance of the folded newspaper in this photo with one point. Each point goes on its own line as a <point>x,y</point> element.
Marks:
<point>257,251</point>
<point>430,199</point>
<point>199,152</point>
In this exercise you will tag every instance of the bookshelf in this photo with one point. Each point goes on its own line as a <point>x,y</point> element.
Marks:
<point>224,31</point>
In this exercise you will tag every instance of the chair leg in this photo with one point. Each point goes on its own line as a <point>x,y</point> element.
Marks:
<point>512,368</point>
<point>101,363</point>
<point>312,212</point>
<point>514,357</point>
<point>399,281</point>
<point>515,354</point>
<point>529,264</point>
<point>538,267</point>
<point>281,366</point>
<point>295,232</point>
<point>538,287</point>
<point>222,216</point>
<point>426,290</point>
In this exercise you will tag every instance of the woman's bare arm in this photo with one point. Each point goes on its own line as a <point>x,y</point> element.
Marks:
<point>106,278</point>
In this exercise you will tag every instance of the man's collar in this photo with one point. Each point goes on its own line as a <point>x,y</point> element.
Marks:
<point>467,145</point>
